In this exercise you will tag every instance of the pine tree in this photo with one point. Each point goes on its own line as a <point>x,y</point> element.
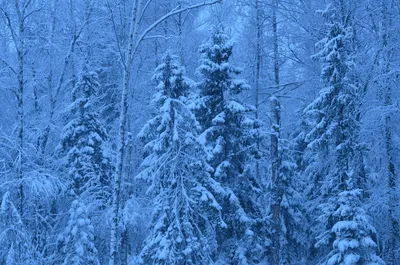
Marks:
<point>345,228</point>
<point>226,135</point>
<point>186,210</point>
<point>84,141</point>
<point>76,242</point>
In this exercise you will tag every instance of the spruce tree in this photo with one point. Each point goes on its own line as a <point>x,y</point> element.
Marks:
<point>15,247</point>
<point>293,238</point>
<point>11,257</point>
<point>344,234</point>
<point>76,242</point>
<point>84,142</point>
<point>230,145</point>
<point>186,210</point>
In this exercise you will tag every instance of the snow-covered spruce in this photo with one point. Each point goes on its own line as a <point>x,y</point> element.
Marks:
<point>293,237</point>
<point>15,247</point>
<point>353,234</point>
<point>226,133</point>
<point>344,233</point>
<point>186,210</point>
<point>84,143</point>
<point>76,242</point>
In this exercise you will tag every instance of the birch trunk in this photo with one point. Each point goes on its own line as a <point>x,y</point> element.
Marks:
<point>120,163</point>
<point>122,136</point>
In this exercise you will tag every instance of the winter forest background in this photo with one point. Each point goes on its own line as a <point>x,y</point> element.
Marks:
<point>199,132</point>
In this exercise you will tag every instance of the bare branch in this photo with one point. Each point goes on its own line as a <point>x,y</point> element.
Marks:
<point>116,35</point>
<point>9,66</point>
<point>166,16</point>
<point>9,26</point>
<point>160,37</point>
<point>144,10</point>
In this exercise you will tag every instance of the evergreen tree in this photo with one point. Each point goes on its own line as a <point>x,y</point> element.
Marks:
<point>14,240</point>
<point>186,210</point>
<point>76,243</point>
<point>293,236</point>
<point>344,226</point>
<point>303,157</point>
<point>230,143</point>
<point>84,141</point>
<point>11,258</point>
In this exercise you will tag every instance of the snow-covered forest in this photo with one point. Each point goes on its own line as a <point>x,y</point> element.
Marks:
<point>183,132</point>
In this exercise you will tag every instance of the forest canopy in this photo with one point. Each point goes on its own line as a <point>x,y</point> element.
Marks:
<point>183,132</point>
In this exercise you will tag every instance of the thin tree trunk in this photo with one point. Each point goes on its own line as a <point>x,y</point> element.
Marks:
<point>118,176</point>
<point>20,102</point>
<point>257,81</point>
<point>124,246</point>
<point>392,182</point>
<point>180,37</point>
<point>35,94</point>
<point>122,137</point>
<point>275,135</point>
<point>393,198</point>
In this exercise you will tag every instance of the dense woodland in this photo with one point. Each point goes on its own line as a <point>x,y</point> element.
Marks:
<point>178,132</point>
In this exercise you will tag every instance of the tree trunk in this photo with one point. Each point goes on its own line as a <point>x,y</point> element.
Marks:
<point>393,198</point>
<point>120,163</point>
<point>20,101</point>
<point>121,140</point>
<point>124,246</point>
<point>275,161</point>
<point>257,81</point>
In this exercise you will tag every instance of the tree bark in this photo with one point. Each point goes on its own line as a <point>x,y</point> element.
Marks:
<point>20,44</point>
<point>275,160</point>
<point>120,163</point>
<point>258,74</point>
<point>393,198</point>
